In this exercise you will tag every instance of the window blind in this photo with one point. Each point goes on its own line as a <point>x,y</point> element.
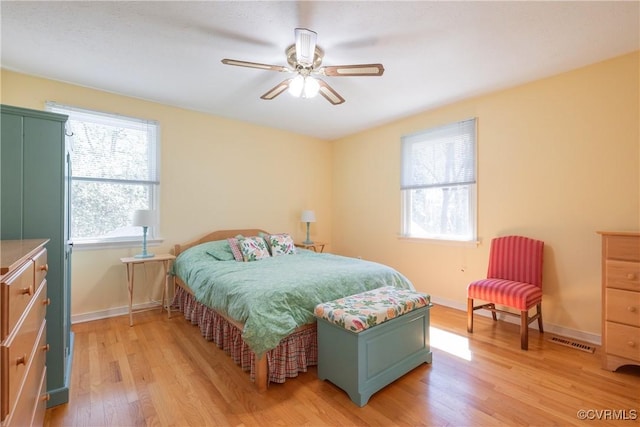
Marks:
<point>439,157</point>
<point>111,147</point>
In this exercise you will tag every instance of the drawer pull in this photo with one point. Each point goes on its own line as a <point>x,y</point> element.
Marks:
<point>631,309</point>
<point>44,267</point>
<point>46,301</point>
<point>22,360</point>
<point>45,347</point>
<point>26,291</point>
<point>631,276</point>
<point>631,344</point>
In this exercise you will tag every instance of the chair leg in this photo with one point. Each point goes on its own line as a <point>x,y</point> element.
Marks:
<point>524,330</point>
<point>493,313</point>
<point>539,311</point>
<point>469,314</point>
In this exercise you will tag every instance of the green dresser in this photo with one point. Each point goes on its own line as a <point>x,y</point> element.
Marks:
<point>34,204</point>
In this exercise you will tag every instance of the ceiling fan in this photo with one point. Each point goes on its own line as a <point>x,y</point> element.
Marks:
<point>305,59</point>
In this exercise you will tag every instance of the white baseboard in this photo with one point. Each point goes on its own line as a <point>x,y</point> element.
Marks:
<point>548,327</point>
<point>112,312</point>
<point>554,329</point>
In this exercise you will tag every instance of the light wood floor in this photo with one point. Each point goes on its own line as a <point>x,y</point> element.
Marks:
<point>162,372</point>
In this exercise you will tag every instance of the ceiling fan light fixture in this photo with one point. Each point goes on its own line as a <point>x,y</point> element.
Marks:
<point>304,86</point>
<point>296,86</point>
<point>311,87</point>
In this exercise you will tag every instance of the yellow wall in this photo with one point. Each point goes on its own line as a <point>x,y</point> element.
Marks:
<point>558,159</point>
<point>215,174</point>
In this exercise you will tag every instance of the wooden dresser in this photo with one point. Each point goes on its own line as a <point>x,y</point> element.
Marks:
<point>23,331</point>
<point>620,299</point>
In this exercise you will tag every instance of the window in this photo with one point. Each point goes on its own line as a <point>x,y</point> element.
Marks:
<point>438,182</point>
<point>114,171</point>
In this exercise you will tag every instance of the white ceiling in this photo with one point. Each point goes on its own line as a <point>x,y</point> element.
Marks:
<point>434,53</point>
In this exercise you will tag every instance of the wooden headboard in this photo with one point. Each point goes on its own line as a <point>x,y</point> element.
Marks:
<point>216,235</point>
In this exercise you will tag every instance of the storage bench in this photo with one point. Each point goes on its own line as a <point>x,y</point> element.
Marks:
<point>367,341</point>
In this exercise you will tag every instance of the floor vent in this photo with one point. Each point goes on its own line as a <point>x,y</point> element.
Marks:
<point>573,344</point>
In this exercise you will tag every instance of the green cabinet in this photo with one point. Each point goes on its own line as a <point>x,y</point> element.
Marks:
<point>34,203</point>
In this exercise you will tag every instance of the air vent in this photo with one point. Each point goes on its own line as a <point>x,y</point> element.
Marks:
<point>568,343</point>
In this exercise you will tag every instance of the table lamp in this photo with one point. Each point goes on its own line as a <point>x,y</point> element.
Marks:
<point>144,218</point>
<point>308,217</point>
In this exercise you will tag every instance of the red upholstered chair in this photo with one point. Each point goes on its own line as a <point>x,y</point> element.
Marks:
<point>514,279</point>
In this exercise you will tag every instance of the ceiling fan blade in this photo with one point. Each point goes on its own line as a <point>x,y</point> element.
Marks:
<point>305,46</point>
<point>352,70</point>
<point>329,93</point>
<point>276,90</point>
<point>255,65</point>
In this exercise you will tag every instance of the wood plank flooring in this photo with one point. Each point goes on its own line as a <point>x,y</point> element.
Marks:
<point>161,372</point>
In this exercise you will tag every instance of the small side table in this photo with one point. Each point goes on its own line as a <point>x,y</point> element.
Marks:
<point>315,246</point>
<point>130,262</point>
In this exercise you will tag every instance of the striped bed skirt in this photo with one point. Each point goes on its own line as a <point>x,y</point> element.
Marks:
<point>293,355</point>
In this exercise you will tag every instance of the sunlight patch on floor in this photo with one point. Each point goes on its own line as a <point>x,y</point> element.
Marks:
<point>451,343</point>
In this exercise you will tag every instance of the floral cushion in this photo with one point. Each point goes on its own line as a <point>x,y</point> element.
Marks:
<point>362,311</point>
<point>281,244</point>
<point>253,248</point>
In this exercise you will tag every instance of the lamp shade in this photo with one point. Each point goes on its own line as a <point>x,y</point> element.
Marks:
<point>304,86</point>
<point>296,86</point>
<point>311,87</point>
<point>308,216</point>
<point>144,218</point>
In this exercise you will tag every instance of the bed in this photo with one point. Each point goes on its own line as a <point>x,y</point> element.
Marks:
<point>261,312</point>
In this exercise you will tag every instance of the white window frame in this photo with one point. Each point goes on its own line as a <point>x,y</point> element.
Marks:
<point>153,130</point>
<point>464,128</point>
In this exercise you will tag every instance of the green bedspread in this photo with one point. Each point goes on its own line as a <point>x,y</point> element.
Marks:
<point>275,295</point>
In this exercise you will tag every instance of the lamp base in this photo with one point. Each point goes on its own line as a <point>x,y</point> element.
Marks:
<point>144,255</point>
<point>308,241</point>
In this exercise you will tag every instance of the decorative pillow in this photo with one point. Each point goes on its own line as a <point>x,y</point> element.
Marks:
<point>220,250</point>
<point>281,244</point>
<point>234,245</point>
<point>254,248</point>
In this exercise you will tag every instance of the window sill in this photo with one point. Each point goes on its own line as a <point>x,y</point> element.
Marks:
<point>114,244</point>
<point>445,242</point>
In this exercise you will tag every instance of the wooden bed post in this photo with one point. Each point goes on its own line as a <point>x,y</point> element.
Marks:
<point>262,373</point>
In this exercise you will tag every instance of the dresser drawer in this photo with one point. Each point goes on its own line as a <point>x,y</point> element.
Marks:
<point>622,307</point>
<point>17,291</point>
<point>623,340</point>
<point>19,350</point>
<point>41,404</point>
<point>623,275</point>
<point>41,267</point>
<point>27,401</point>
<point>622,247</point>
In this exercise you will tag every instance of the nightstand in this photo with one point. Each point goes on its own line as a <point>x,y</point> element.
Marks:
<point>315,246</point>
<point>130,263</point>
